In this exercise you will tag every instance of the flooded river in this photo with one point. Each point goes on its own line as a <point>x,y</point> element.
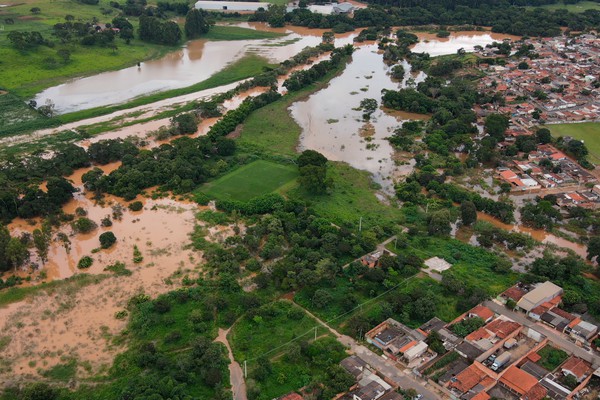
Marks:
<point>332,124</point>
<point>194,63</point>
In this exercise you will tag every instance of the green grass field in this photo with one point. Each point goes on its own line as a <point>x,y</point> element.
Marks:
<point>220,32</point>
<point>252,180</point>
<point>575,8</point>
<point>589,132</point>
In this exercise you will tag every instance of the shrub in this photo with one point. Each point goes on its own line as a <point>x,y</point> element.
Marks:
<point>83,225</point>
<point>135,206</point>
<point>107,239</point>
<point>85,262</point>
<point>137,255</point>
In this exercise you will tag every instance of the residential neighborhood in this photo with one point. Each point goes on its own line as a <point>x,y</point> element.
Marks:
<point>496,357</point>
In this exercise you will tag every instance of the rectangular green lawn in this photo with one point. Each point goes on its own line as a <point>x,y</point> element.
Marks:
<point>589,132</point>
<point>250,181</point>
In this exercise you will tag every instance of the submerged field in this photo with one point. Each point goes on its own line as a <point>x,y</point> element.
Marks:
<point>588,132</point>
<point>250,181</point>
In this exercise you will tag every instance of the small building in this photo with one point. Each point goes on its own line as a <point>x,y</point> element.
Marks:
<point>371,260</point>
<point>291,396</point>
<point>230,5</point>
<point>577,367</point>
<point>482,312</point>
<point>437,264</point>
<point>372,391</point>
<point>355,366</point>
<point>543,293</point>
<point>394,338</point>
<point>583,331</point>
<point>416,349</point>
<point>522,384</point>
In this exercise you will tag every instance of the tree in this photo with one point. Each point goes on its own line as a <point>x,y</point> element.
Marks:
<point>496,125</point>
<point>439,223</point>
<point>40,391</point>
<point>195,23</point>
<point>593,249</point>
<point>543,135</point>
<point>64,54</point>
<point>523,65</point>
<point>48,109</point>
<point>328,37</point>
<point>41,242</point>
<point>36,10</point>
<point>276,15</point>
<point>322,298</point>
<point>368,107</point>
<point>107,239</point>
<point>185,123</point>
<point>468,213</point>
<point>16,252</point>
<point>313,171</point>
<point>4,240</point>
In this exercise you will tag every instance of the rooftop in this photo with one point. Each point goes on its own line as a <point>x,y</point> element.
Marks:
<point>523,383</point>
<point>468,378</point>
<point>482,312</point>
<point>577,367</point>
<point>540,294</point>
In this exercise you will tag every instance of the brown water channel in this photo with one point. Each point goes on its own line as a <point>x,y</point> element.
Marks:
<point>537,234</point>
<point>195,62</point>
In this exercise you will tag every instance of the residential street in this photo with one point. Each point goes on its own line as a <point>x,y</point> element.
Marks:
<point>551,334</point>
<point>402,378</point>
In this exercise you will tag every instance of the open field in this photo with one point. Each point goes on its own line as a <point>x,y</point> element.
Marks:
<point>589,132</point>
<point>352,196</point>
<point>252,180</point>
<point>220,32</point>
<point>272,336</point>
<point>26,73</point>
<point>575,8</point>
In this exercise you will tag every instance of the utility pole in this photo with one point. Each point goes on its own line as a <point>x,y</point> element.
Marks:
<point>396,243</point>
<point>360,225</point>
<point>315,333</point>
<point>245,370</point>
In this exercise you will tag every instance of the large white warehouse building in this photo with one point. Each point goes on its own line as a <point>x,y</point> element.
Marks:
<point>231,5</point>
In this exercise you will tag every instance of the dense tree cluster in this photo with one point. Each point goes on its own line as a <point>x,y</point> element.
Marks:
<point>313,171</point>
<point>503,17</point>
<point>154,30</point>
<point>301,79</point>
<point>196,23</point>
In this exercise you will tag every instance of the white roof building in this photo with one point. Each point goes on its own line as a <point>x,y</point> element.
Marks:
<point>230,5</point>
<point>542,293</point>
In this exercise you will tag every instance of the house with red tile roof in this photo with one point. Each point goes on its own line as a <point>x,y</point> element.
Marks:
<point>522,384</point>
<point>577,367</point>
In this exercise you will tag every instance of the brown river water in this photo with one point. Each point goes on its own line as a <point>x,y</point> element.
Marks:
<point>195,62</point>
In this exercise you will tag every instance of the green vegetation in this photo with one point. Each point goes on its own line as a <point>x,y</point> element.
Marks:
<point>16,115</point>
<point>578,7</point>
<point>351,196</point>
<point>220,32</point>
<point>278,340</point>
<point>251,180</point>
<point>272,129</point>
<point>74,283</point>
<point>62,372</point>
<point>589,132</point>
<point>551,357</point>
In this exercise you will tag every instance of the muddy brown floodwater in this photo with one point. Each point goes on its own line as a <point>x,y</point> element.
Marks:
<point>467,40</point>
<point>195,62</point>
<point>537,234</point>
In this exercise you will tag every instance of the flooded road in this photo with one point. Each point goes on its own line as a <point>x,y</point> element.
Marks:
<point>195,62</point>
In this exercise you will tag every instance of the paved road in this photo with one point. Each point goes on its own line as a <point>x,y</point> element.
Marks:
<point>403,378</point>
<point>551,334</point>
